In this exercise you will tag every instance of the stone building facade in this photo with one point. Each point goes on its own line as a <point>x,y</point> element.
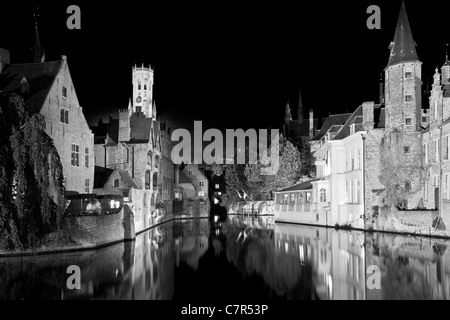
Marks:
<point>48,89</point>
<point>133,155</point>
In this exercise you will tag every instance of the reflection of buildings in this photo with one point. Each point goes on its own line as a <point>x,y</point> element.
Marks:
<point>411,268</point>
<point>337,259</point>
<point>190,249</point>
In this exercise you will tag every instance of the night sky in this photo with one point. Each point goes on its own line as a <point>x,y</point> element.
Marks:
<point>229,65</point>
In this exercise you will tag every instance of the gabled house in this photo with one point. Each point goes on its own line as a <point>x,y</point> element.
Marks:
<point>48,89</point>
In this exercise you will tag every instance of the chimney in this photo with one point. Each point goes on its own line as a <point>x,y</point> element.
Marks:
<point>382,99</point>
<point>300,108</point>
<point>368,116</point>
<point>4,59</point>
<point>124,125</point>
<point>312,132</point>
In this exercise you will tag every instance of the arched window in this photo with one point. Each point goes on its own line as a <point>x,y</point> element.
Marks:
<point>145,87</point>
<point>408,186</point>
<point>156,161</point>
<point>150,158</point>
<point>116,183</point>
<point>139,85</point>
<point>155,181</point>
<point>147,179</point>
<point>323,195</point>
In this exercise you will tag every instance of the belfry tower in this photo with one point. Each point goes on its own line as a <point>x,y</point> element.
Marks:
<point>142,100</point>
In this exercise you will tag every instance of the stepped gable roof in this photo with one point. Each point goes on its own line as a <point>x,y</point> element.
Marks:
<point>40,78</point>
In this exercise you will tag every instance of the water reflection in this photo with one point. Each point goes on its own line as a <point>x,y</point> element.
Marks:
<point>238,259</point>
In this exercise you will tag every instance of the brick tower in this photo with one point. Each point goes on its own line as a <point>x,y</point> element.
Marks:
<point>403,94</point>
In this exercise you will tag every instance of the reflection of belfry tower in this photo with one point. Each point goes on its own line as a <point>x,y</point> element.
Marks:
<point>142,100</point>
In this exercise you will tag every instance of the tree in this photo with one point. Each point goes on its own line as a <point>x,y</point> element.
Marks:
<point>306,156</point>
<point>248,177</point>
<point>31,171</point>
<point>235,180</point>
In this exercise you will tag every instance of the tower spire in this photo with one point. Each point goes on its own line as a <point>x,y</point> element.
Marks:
<point>300,108</point>
<point>37,52</point>
<point>288,116</point>
<point>447,61</point>
<point>403,48</point>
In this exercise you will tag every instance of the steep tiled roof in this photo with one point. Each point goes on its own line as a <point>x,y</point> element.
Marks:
<point>333,120</point>
<point>357,119</point>
<point>40,77</point>
<point>403,47</point>
<point>299,187</point>
<point>113,132</point>
<point>446,91</point>
<point>128,179</point>
<point>140,128</point>
<point>345,131</point>
<point>183,178</point>
<point>101,176</point>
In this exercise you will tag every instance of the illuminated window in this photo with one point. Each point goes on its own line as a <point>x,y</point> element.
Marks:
<point>75,159</point>
<point>86,186</point>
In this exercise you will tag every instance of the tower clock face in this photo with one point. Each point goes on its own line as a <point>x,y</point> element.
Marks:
<point>138,99</point>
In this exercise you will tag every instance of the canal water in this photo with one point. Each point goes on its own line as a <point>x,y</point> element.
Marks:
<point>239,260</point>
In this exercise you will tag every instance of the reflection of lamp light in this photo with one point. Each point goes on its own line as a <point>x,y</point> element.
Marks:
<point>111,204</point>
<point>117,204</point>
<point>216,218</point>
<point>330,286</point>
